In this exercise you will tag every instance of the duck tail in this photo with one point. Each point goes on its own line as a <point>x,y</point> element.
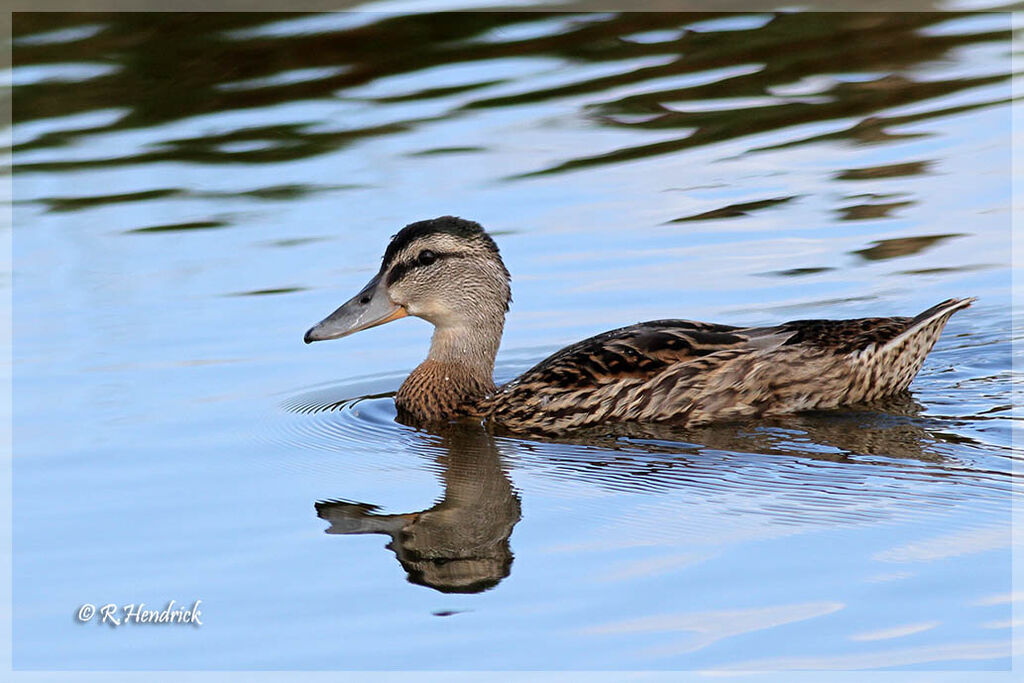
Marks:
<point>924,328</point>
<point>904,354</point>
<point>940,311</point>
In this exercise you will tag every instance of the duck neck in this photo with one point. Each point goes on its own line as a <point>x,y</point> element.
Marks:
<point>458,372</point>
<point>470,349</point>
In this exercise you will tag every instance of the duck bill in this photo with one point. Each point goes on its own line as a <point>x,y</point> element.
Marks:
<point>370,307</point>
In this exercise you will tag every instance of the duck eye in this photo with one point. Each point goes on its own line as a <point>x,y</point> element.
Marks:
<point>426,257</point>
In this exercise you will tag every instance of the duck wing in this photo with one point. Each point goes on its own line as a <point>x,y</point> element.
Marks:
<point>640,350</point>
<point>563,390</point>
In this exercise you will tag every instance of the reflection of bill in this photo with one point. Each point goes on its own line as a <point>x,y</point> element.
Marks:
<point>461,544</point>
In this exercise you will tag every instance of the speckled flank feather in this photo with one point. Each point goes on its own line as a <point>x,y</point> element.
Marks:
<point>694,373</point>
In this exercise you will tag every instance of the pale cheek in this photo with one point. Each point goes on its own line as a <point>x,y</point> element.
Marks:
<point>401,297</point>
<point>431,310</point>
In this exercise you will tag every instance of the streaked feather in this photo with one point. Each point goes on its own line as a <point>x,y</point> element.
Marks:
<point>693,373</point>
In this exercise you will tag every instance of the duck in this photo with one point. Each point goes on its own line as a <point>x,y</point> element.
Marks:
<point>449,272</point>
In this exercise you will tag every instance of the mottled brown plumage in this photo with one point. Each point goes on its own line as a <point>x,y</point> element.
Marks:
<point>449,272</point>
<point>436,390</point>
<point>695,373</point>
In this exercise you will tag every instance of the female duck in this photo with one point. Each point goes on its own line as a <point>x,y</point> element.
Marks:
<point>448,272</point>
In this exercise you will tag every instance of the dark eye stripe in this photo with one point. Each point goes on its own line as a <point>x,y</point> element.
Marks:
<point>399,270</point>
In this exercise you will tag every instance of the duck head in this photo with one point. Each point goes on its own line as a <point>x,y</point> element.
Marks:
<point>446,270</point>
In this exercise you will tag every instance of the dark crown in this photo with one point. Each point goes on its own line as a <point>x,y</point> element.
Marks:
<point>450,225</point>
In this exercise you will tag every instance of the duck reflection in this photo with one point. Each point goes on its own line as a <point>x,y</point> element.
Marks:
<point>652,458</point>
<point>461,544</point>
<point>892,427</point>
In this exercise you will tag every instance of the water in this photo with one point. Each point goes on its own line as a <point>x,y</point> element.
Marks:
<point>192,193</point>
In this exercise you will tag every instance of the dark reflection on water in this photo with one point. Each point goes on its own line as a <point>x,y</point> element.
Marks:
<point>181,227</point>
<point>735,210</point>
<point>461,543</point>
<point>891,433</point>
<point>795,272</point>
<point>886,171</point>
<point>270,193</point>
<point>901,246</point>
<point>700,86</point>
<point>862,212</point>
<point>889,428</point>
